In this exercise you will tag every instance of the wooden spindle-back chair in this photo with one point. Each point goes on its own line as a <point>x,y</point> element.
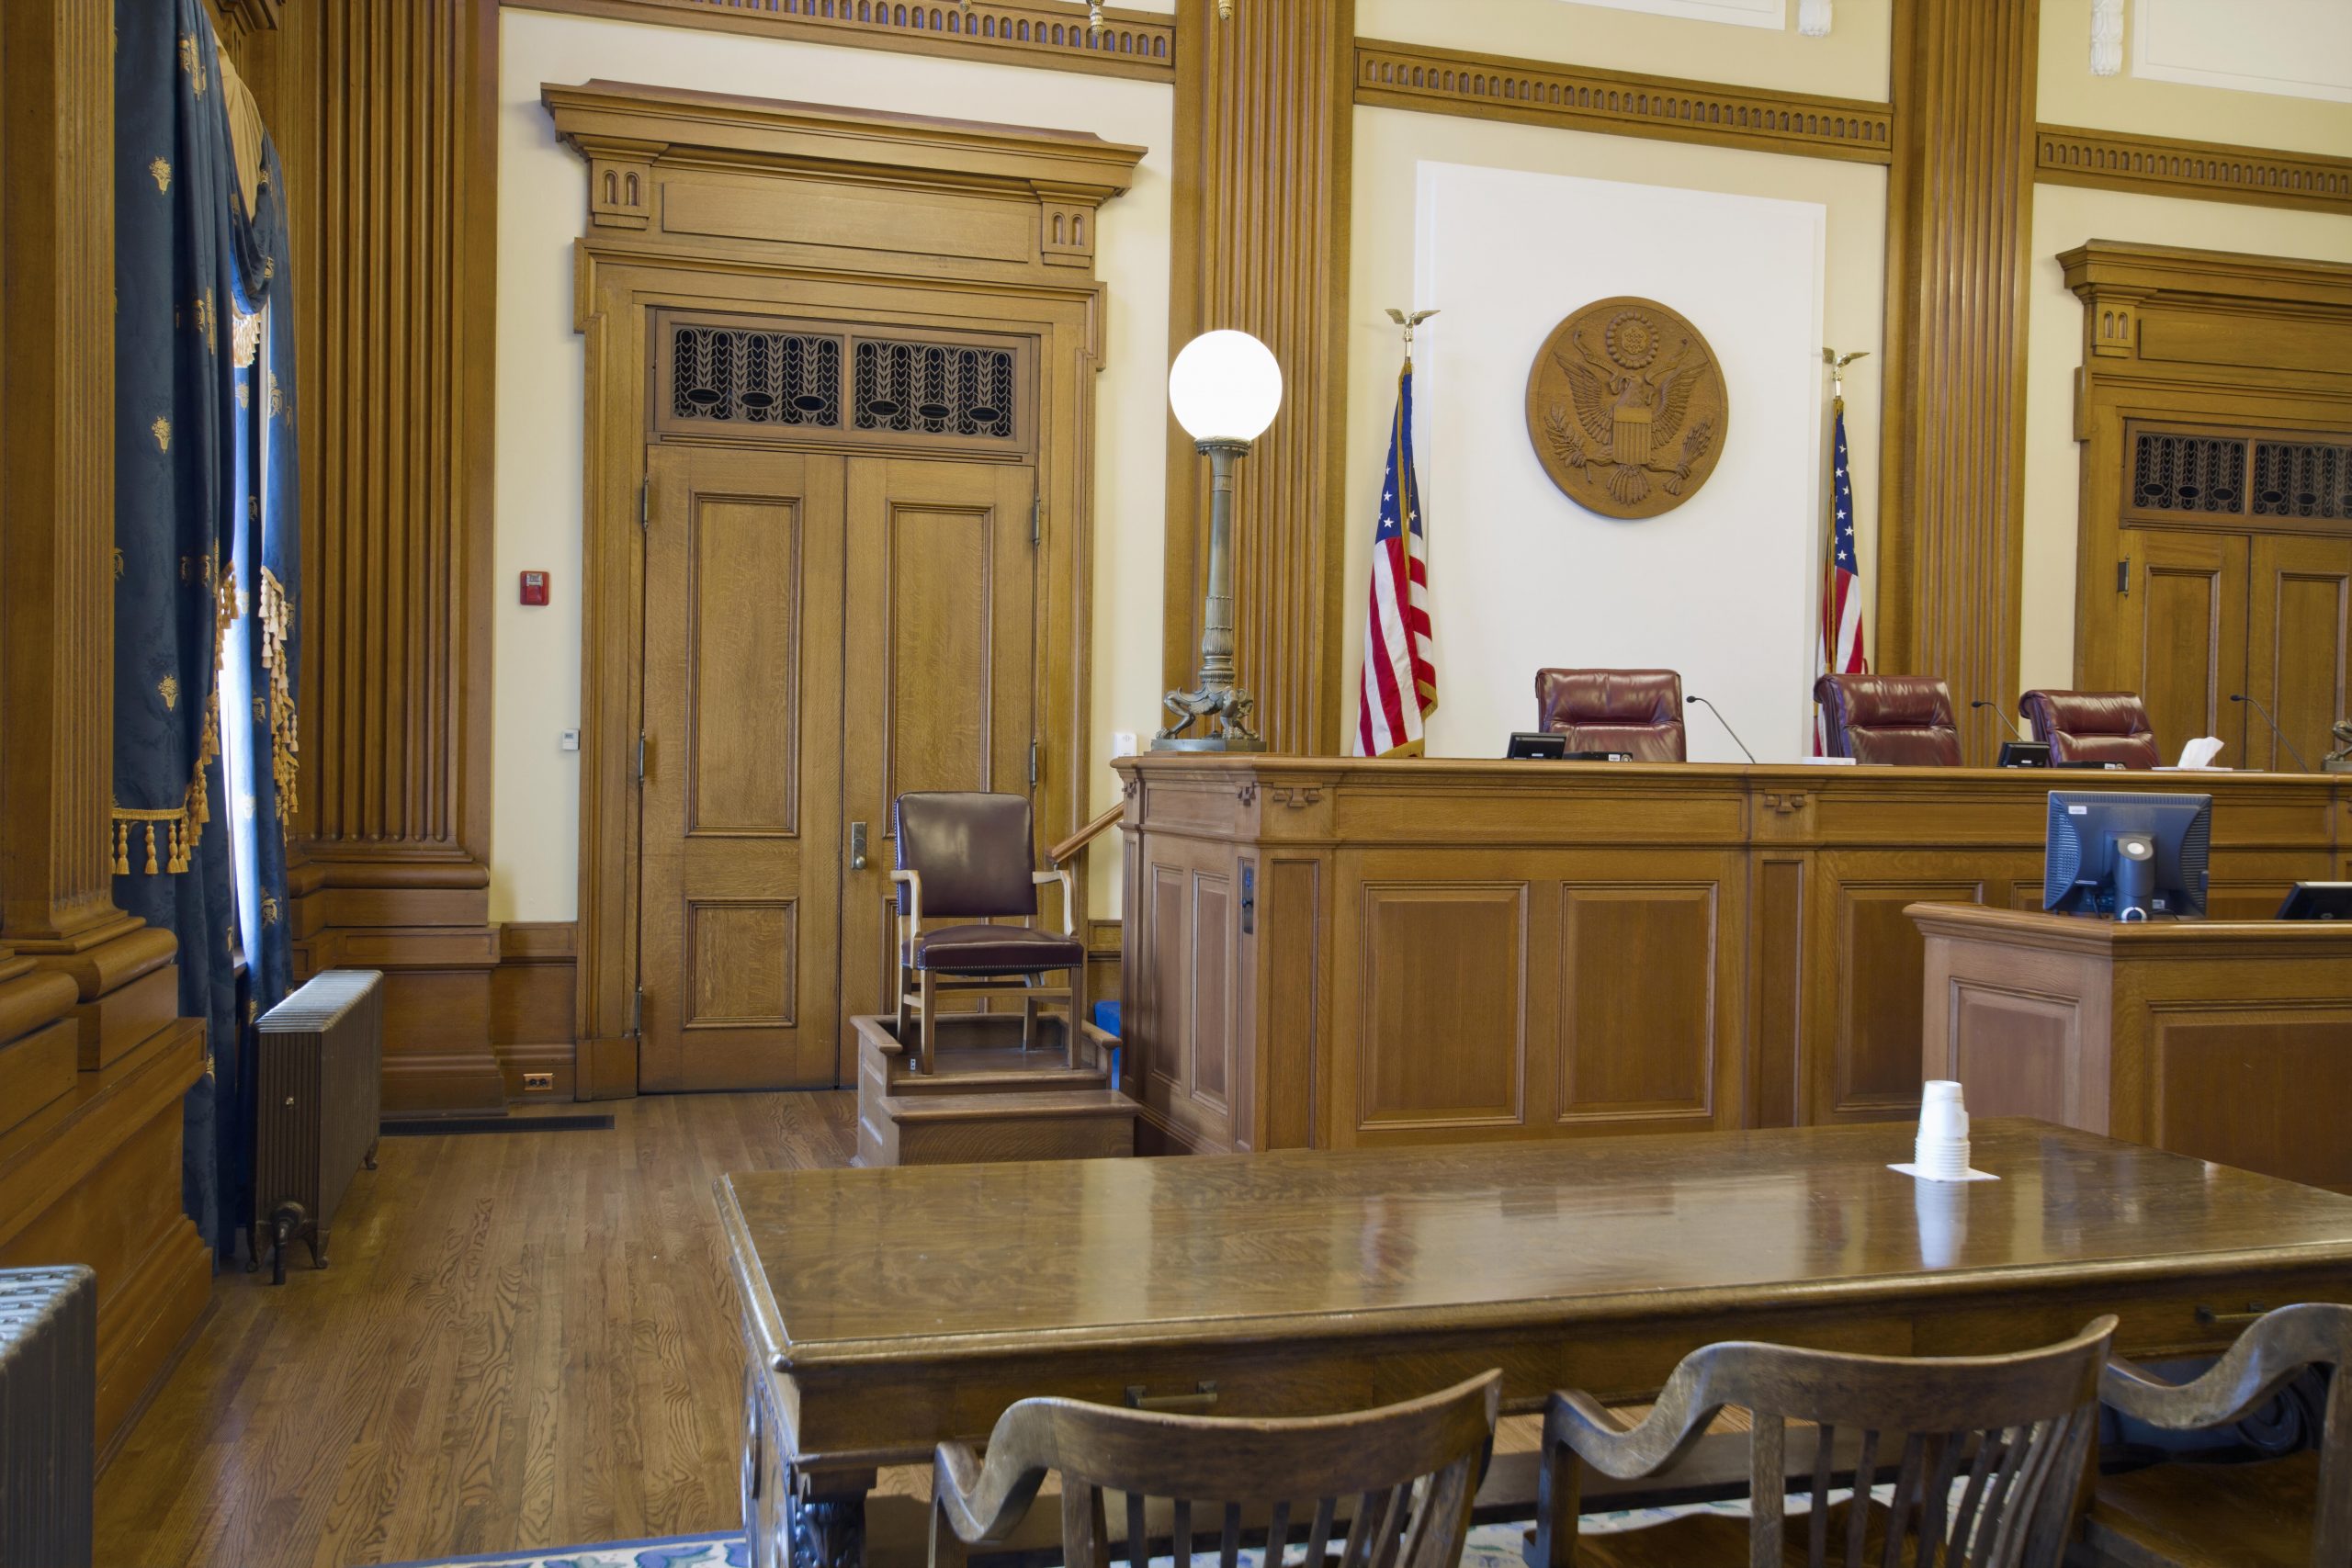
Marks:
<point>1990,1454</point>
<point>2289,1510</point>
<point>1410,1471</point>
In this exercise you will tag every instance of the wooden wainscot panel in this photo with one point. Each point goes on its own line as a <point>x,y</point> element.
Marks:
<point>1874,964</point>
<point>1289,993</point>
<point>1641,1030</point>
<point>532,1005</point>
<point>1182,1032</point>
<point>1434,977</point>
<point>2265,1087</point>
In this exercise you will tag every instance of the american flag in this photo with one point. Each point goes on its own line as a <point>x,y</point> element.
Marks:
<point>1399,682</point>
<point>1841,593</point>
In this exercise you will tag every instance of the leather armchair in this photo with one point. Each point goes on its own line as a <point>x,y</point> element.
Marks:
<point>1890,720</point>
<point>967,855</point>
<point>1638,711</point>
<point>2092,727</point>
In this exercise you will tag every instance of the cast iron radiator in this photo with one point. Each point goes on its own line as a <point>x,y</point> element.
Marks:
<point>318,1096</point>
<point>49,1401</point>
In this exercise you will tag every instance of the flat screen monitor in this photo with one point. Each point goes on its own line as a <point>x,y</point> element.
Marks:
<point>2025,754</point>
<point>2127,856</point>
<point>2318,901</point>
<point>1537,743</point>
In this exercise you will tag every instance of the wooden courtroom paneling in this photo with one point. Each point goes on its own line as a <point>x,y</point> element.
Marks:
<point>2226,1041</point>
<point>1959,216</point>
<point>94,1066</point>
<point>2299,641</point>
<point>532,1005</point>
<point>1263,139</point>
<point>385,119</point>
<point>1455,950</point>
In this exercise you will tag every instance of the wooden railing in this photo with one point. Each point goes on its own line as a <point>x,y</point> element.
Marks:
<point>1061,852</point>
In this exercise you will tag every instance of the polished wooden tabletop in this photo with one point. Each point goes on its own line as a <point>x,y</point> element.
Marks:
<point>942,1262</point>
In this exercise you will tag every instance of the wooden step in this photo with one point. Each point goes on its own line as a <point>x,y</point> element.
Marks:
<point>980,1054</point>
<point>962,1129</point>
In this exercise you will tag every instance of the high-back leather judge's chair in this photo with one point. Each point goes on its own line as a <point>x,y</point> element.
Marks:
<point>1903,721</point>
<point>2092,727</point>
<point>1638,711</point>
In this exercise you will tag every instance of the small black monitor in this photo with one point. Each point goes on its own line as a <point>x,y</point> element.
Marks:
<point>1537,743</point>
<point>2128,856</point>
<point>2025,754</point>
<point>2318,901</point>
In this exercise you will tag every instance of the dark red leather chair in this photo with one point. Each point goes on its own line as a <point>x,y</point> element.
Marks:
<point>1903,721</point>
<point>2092,727</point>
<point>967,855</point>
<point>1638,711</point>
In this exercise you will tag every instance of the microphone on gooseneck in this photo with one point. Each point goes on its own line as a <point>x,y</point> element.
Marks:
<point>2256,704</point>
<point>2000,714</point>
<point>1725,722</point>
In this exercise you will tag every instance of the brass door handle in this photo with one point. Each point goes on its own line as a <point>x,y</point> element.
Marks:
<point>857,846</point>
<point>1201,1400</point>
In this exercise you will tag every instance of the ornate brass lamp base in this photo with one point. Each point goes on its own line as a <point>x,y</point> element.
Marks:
<point>1216,699</point>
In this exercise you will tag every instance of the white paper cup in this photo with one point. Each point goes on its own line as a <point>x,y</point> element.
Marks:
<point>1942,1159</point>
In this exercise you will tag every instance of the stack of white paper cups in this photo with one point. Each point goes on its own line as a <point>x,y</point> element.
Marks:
<point>1942,1144</point>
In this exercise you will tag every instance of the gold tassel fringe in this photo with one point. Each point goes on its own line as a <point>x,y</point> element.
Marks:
<point>277,621</point>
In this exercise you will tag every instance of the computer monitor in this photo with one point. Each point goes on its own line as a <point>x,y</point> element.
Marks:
<point>2318,901</point>
<point>2025,754</point>
<point>1536,743</point>
<point>2129,856</point>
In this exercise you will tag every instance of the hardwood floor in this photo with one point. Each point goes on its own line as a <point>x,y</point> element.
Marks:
<point>526,1340</point>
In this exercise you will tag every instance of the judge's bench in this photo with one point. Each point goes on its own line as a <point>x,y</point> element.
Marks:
<point>1339,953</point>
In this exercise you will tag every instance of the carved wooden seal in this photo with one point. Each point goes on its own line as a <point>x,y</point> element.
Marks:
<point>1626,408</point>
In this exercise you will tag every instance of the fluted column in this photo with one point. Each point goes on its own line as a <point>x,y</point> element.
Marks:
<point>1958,232</point>
<point>1263,115</point>
<point>384,112</point>
<point>57,508</point>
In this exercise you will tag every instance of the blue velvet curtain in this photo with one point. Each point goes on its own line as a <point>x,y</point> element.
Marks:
<point>204,562</point>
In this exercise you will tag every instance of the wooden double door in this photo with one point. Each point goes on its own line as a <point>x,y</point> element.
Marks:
<point>822,632</point>
<point>2206,614</point>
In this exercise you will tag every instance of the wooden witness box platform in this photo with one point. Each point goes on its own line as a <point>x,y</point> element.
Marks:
<point>2229,1041</point>
<point>1336,953</point>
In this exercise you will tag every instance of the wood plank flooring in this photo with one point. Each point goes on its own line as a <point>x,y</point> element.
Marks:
<point>526,1340</point>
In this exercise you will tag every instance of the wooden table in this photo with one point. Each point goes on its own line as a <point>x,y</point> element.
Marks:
<point>1337,952</point>
<point>887,1310</point>
<point>2225,1040</point>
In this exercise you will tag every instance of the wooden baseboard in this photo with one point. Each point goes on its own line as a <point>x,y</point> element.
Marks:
<point>533,999</point>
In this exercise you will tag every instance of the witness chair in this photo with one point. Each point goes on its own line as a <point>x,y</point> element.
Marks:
<point>1903,721</point>
<point>1987,1451</point>
<point>2091,727</point>
<point>1638,711</point>
<point>1409,1471</point>
<point>963,855</point>
<point>2282,1513</point>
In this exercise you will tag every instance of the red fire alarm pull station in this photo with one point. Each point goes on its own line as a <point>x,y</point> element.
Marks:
<point>535,588</point>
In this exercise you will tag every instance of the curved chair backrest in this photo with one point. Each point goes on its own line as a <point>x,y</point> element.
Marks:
<point>2267,1357</point>
<point>972,850</point>
<point>1638,711</point>
<point>1896,720</point>
<point>2091,727</point>
<point>1988,1450</point>
<point>1213,1469</point>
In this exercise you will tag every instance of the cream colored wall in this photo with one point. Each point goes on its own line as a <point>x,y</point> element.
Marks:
<point>542,198</point>
<point>1851,62</point>
<point>2069,95</point>
<point>1390,143</point>
<point>2064,216</point>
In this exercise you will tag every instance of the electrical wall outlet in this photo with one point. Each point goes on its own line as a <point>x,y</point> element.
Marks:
<point>538,1083</point>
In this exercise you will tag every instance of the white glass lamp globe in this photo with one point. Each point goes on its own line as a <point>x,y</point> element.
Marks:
<point>1225,386</point>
